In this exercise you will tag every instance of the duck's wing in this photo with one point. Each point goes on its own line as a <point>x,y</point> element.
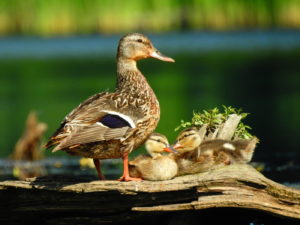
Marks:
<point>78,115</point>
<point>93,133</point>
<point>108,126</point>
<point>94,120</point>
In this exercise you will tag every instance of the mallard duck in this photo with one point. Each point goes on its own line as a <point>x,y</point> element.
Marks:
<point>196,156</point>
<point>154,166</point>
<point>111,125</point>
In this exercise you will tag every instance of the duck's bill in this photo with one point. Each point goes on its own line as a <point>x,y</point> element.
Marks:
<point>177,146</point>
<point>157,55</point>
<point>170,149</point>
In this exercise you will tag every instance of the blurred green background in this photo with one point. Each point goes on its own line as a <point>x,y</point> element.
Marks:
<point>69,17</point>
<point>56,53</point>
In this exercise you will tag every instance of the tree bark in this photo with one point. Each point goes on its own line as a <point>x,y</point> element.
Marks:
<point>60,197</point>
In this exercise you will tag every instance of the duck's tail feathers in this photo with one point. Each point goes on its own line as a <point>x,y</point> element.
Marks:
<point>249,150</point>
<point>52,142</point>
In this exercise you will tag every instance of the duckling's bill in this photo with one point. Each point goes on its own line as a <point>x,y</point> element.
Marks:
<point>158,55</point>
<point>170,149</point>
<point>177,146</point>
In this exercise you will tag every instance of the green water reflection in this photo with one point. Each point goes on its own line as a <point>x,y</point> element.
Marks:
<point>266,84</point>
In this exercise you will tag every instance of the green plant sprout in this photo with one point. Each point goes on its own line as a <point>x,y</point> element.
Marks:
<point>214,118</point>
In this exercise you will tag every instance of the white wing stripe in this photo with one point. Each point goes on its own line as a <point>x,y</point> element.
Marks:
<point>101,124</point>
<point>125,117</point>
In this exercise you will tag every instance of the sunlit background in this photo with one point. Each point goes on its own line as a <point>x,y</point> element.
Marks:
<point>56,53</point>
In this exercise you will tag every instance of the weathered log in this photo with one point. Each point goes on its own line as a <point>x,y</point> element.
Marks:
<point>227,129</point>
<point>68,200</point>
<point>28,147</point>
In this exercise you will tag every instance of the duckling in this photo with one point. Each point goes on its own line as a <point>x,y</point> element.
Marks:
<point>237,151</point>
<point>113,124</point>
<point>198,157</point>
<point>154,166</point>
<point>188,140</point>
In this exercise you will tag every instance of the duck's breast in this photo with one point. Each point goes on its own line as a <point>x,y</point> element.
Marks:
<point>164,169</point>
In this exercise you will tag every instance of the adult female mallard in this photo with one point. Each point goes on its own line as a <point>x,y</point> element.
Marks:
<point>154,166</point>
<point>111,125</point>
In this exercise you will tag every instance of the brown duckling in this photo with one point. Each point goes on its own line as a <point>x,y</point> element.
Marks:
<point>188,140</point>
<point>112,124</point>
<point>195,157</point>
<point>154,166</point>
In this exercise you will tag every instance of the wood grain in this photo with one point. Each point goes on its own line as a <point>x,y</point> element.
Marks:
<point>239,186</point>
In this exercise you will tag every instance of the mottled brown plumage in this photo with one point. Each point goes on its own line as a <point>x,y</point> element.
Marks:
<point>111,125</point>
<point>196,156</point>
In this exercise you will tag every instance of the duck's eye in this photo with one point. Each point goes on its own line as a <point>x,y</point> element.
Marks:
<point>139,40</point>
<point>186,135</point>
<point>158,140</point>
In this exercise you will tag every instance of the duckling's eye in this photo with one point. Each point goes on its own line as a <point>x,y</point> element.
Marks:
<point>139,40</point>
<point>186,135</point>
<point>158,140</point>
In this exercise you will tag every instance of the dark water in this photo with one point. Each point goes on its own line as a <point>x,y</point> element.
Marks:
<point>57,166</point>
<point>287,174</point>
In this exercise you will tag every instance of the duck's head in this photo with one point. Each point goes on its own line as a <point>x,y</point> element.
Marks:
<point>137,46</point>
<point>187,140</point>
<point>156,144</point>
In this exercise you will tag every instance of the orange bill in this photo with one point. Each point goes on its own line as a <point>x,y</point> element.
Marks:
<point>170,149</point>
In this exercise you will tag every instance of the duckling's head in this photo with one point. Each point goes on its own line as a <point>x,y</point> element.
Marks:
<point>137,46</point>
<point>188,140</point>
<point>156,144</point>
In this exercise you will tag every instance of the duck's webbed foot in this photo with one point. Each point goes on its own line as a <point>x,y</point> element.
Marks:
<point>126,176</point>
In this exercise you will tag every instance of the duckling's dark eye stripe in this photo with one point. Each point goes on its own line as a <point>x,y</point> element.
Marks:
<point>165,143</point>
<point>152,139</point>
<point>185,136</point>
<point>158,140</point>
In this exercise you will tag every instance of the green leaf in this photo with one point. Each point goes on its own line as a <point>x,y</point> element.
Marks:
<point>214,117</point>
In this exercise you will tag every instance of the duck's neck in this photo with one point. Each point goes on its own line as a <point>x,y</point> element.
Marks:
<point>129,78</point>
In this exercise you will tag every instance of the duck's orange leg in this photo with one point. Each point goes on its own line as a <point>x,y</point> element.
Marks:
<point>98,168</point>
<point>126,176</point>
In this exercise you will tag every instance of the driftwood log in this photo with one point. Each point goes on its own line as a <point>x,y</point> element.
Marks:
<point>28,146</point>
<point>68,201</point>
